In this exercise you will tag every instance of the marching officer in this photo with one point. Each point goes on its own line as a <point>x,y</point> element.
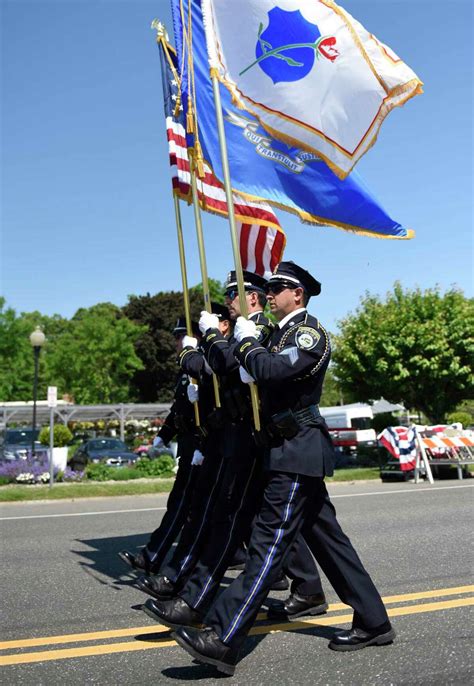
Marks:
<point>290,375</point>
<point>172,574</point>
<point>242,484</point>
<point>179,422</point>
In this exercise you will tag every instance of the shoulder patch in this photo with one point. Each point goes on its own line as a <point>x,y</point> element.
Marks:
<point>263,332</point>
<point>307,337</point>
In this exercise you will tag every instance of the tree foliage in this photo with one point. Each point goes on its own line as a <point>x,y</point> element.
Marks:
<point>94,359</point>
<point>16,353</point>
<point>16,357</point>
<point>416,346</point>
<point>156,346</point>
<point>332,394</point>
<point>216,291</point>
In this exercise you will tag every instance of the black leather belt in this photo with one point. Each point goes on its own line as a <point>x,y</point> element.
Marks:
<point>287,423</point>
<point>307,414</point>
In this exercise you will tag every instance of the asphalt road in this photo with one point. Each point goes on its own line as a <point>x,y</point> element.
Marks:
<point>70,613</point>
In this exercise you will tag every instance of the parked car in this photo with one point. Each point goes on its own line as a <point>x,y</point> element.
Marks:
<point>17,444</point>
<point>110,451</point>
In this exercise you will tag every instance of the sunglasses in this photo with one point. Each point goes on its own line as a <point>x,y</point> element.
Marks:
<point>178,336</point>
<point>277,288</point>
<point>232,293</point>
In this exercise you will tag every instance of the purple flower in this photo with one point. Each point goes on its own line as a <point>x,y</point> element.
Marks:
<point>29,466</point>
<point>70,475</point>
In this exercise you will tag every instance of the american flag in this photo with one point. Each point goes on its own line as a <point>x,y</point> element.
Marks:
<point>400,442</point>
<point>261,238</point>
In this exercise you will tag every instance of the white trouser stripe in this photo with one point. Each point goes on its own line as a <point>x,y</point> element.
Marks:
<point>188,557</point>
<point>265,567</point>
<point>165,537</point>
<point>234,520</point>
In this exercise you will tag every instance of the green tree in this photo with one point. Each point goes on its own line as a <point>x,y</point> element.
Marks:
<point>216,291</point>
<point>156,346</point>
<point>416,346</point>
<point>16,357</point>
<point>332,393</point>
<point>94,359</point>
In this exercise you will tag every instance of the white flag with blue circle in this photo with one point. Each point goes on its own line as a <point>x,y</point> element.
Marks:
<point>312,75</point>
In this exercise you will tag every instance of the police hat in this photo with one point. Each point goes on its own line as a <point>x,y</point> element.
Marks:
<point>221,311</point>
<point>180,327</point>
<point>291,275</point>
<point>252,281</point>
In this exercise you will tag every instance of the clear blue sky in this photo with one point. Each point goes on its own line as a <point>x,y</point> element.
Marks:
<point>87,214</point>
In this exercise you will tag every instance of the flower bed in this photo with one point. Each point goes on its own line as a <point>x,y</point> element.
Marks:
<point>32,471</point>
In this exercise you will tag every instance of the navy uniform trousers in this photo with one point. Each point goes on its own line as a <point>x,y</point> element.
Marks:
<point>177,505</point>
<point>293,504</point>
<point>200,510</point>
<point>238,501</point>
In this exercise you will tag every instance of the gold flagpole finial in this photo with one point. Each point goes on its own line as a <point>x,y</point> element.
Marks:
<point>160,29</point>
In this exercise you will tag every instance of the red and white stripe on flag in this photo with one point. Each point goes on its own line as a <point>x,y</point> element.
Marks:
<point>262,239</point>
<point>261,248</point>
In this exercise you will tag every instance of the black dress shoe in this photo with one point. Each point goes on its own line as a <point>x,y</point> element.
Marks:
<point>174,613</point>
<point>159,587</point>
<point>238,561</point>
<point>356,639</point>
<point>205,646</point>
<point>280,584</point>
<point>298,606</point>
<point>138,561</point>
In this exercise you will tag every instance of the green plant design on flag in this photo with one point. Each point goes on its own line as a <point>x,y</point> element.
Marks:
<point>269,51</point>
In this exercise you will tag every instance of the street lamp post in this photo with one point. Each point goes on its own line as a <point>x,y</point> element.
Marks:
<point>37,339</point>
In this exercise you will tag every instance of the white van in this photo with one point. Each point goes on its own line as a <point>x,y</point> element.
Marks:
<point>350,425</point>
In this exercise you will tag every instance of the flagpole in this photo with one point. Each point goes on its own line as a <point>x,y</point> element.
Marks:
<point>184,281</point>
<point>202,258</point>
<point>233,232</point>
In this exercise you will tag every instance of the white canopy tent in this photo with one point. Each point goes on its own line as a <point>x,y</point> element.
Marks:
<point>382,405</point>
<point>21,412</point>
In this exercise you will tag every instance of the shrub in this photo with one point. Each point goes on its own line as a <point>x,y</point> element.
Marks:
<point>372,457</point>
<point>61,435</point>
<point>463,417</point>
<point>124,474</point>
<point>103,472</point>
<point>98,472</point>
<point>163,466</point>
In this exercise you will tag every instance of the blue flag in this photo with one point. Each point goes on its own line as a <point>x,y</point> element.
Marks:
<point>263,168</point>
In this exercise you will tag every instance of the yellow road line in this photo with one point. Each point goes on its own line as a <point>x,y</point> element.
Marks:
<point>77,638</point>
<point>105,649</point>
<point>342,619</point>
<point>158,628</point>
<point>390,599</point>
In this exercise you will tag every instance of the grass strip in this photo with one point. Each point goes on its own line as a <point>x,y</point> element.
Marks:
<point>84,490</point>
<point>356,474</point>
<point>12,493</point>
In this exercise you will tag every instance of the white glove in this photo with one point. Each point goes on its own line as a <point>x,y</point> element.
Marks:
<point>189,342</point>
<point>198,458</point>
<point>193,392</point>
<point>158,442</point>
<point>208,321</point>
<point>244,328</point>
<point>245,376</point>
